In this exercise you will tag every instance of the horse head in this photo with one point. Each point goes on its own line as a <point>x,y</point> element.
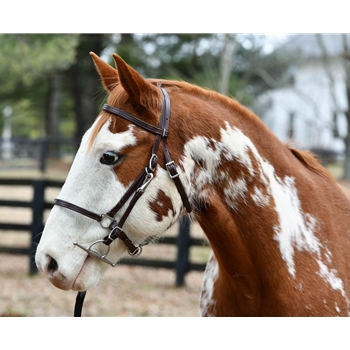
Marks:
<point>122,177</point>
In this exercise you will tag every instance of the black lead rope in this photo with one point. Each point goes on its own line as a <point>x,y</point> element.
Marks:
<point>79,301</point>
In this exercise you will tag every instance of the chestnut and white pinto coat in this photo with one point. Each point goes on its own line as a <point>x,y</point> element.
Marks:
<point>277,222</point>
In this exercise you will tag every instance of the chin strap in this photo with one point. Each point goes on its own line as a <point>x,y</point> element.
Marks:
<point>79,301</point>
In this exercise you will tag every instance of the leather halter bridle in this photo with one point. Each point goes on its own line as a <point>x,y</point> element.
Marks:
<point>137,188</point>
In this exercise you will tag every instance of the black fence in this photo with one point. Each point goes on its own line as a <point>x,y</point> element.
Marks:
<point>38,205</point>
<point>34,153</point>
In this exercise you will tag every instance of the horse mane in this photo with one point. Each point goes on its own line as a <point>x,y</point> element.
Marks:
<point>208,95</point>
<point>309,160</point>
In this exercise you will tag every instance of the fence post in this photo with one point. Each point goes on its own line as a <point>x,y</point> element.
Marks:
<point>44,149</point>
<point>183,245</point>
<point>38,207</point>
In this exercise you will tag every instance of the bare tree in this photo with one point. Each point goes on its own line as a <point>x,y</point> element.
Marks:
<point>227,56</point>
<point>346,56</point>
<point>337,108</point>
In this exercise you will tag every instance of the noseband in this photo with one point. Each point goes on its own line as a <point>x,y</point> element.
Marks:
<point>138,187</point>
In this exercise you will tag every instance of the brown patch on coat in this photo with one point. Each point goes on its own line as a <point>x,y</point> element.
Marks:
<point>161,205</point>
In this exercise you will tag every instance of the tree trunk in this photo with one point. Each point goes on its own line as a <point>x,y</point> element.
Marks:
<point>76,93</point>
<point>53,112</point>
<point>85,85</point>
<point>55,105</point>
<point>227,57</point>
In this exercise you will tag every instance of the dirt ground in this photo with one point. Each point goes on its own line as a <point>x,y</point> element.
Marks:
<point>124,291</point>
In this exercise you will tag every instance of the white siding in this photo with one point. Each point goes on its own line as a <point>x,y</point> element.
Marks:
<point>312,104</point>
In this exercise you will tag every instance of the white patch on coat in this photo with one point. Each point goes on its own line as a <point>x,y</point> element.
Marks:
<point>199,150</point>
<point>236,146</point>
<point>337,308</point>
<point>235,192</point>
<point>328,255</point>
<point>210,276</point>
<point>296,229</point>
<point>259,198</point>
<point>331,277</point>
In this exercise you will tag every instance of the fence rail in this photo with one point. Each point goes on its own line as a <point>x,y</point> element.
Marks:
<point>38,205</point>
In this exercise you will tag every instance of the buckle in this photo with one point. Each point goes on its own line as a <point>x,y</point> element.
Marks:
<point>105,218</point>
<point>172,168</point>
<point>153,160</point>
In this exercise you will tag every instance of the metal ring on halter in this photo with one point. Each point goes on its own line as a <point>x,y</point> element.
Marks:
<point>137,252</point>
<point>115,228</point>
<point>104,218</point>
<point>92,252</point>
<point>99,241</point>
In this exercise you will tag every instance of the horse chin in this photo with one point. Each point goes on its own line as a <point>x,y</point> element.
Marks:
<point>89,275</point>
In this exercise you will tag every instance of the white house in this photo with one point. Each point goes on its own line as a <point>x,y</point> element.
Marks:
<point>304,111</point>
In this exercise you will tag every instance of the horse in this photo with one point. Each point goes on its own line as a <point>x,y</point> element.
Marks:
<point>276,220</point>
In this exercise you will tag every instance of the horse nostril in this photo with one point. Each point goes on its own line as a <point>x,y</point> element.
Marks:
<point>53,265</point>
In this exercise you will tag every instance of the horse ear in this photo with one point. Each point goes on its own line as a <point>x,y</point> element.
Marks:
<point>108,74</point>
<point>138,89</point>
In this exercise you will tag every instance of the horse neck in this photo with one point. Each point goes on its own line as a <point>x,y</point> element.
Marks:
<point>231,177</point>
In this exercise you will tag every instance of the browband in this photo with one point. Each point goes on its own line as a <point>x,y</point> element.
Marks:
<point>149,127</point>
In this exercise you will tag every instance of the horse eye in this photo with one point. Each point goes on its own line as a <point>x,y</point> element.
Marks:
<point>109,158</point>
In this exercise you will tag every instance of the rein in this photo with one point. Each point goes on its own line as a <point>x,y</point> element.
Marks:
<point>138,187</point>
